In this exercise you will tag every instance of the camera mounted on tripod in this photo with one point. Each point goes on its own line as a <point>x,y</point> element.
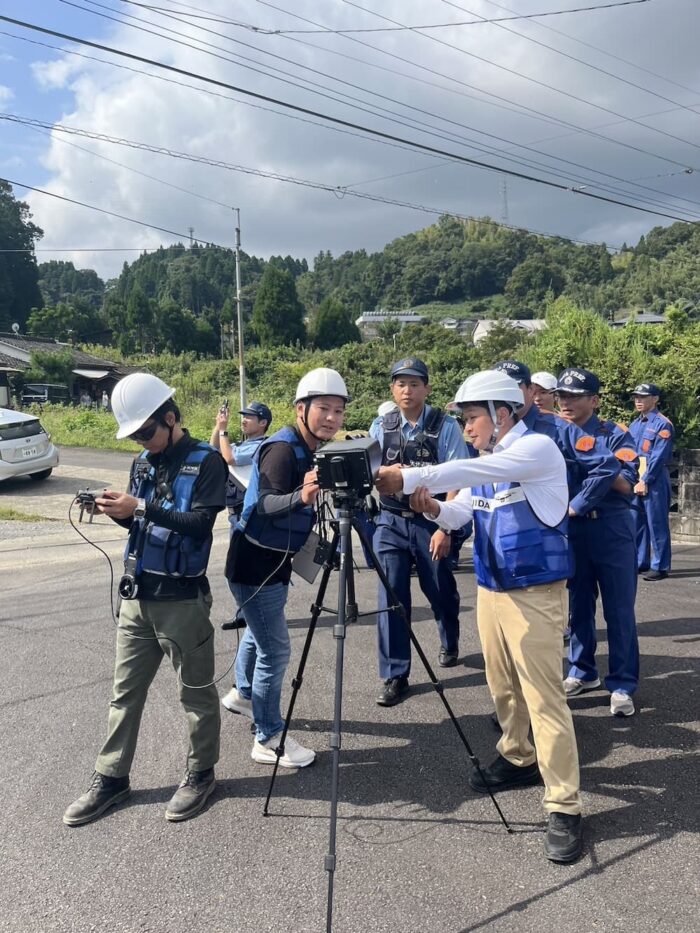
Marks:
<point>348,468</point>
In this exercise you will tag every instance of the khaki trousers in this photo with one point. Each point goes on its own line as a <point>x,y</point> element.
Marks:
<point>149,629</point>
<point>521,635</point>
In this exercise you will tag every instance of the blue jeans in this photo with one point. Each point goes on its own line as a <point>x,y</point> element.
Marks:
<point>263,654</point>
<point>399,544</point>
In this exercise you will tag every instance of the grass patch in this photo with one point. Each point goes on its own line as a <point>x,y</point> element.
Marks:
<point>12,515</point>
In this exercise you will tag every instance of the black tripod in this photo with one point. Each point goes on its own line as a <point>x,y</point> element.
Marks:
<point>347,506</point>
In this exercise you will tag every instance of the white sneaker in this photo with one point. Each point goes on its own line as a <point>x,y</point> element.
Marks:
<point>295,755</point>
<point>621,704</point>
<point>234,702</point>
<point>574,685</point>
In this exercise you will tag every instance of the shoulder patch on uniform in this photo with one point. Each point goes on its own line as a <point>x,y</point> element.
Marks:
<point>665,433</point>
<point>585,443</point>
<point>622,426</point>
<point>190,469</point>
<point>626,454</point>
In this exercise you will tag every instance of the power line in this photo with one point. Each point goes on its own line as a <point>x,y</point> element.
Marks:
<point>129,168</point>
<point>524,77</point>
<point>431,129</point>
<point>260,30</point>
<point>340,193</point>
<point>337,120</point>
<point>102,210</point>
<point>345,132</point>
<point>503,102</point>
<point>597,48</point>
<point>579,61</point>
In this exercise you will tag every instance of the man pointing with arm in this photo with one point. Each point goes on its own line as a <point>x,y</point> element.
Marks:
<point>518,499</point>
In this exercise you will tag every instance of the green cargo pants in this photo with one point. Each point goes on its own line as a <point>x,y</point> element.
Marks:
<point>145,627</point>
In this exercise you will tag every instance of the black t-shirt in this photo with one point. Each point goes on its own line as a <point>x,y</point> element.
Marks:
<point>208,495</point>
<point>281,475</point>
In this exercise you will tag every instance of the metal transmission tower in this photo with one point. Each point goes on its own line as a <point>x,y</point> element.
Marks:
<point>504,200</point>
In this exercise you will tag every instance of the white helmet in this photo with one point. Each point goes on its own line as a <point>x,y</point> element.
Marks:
<point>135,398</point>
<point>385,408</point>
<point>546,380</point>
<point>489,386</point>
<point>321,382</point>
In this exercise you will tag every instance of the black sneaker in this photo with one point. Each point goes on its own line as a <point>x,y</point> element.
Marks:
<point>448,658</point>
<point>395,689</point>
<point>502,775</point>
<point>191,795</point>
<point>653,575</point>
<point>102,794</point>
<point>564,839</point>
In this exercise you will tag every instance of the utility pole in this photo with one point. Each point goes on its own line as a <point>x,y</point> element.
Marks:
<point>504,200</point>
<point>239,311</point>
<point>191,232</point>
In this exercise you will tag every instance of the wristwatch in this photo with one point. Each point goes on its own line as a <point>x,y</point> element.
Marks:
<point>140,509</point>
<point>223,433</point>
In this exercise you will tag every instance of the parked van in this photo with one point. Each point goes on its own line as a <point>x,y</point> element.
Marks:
<point>39,393</point>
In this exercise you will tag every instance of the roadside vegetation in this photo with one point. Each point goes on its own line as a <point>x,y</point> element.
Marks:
<point>667,354</point>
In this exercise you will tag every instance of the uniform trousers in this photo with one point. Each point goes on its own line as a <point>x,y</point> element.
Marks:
<point>605,561</point>
<point>149,629</point>
<point>521,637</point>
<point>651,519</point>
<point>400,544</point>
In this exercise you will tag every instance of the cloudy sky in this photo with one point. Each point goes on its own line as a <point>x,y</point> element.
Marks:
<point>607,101</point>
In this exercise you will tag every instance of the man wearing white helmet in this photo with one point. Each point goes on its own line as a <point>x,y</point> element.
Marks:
<point>518,499</point>
<point>276,520</point>
<point>176,488</point>
<point>544,384</point>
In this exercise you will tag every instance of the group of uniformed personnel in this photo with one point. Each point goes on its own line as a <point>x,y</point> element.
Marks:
<point>562,499</point>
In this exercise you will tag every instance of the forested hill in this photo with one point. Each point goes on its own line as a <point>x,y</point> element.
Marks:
<point>182,297</point>
<point>478,267</point>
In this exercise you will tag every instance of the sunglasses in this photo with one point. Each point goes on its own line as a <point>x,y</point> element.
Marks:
<point>144,434</point>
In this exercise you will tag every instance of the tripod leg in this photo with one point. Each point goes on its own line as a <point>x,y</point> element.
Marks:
<point>298,679</point>
<point>346,590</point>
<point>437,685</point>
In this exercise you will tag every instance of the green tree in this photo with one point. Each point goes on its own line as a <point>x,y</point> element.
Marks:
<point>278,315</point>
<point>65,321</point>
<point>140,318</point>
<point>47,366</point>
<point>62,282</point>
<point>334,326</point>
<point>19,276</point>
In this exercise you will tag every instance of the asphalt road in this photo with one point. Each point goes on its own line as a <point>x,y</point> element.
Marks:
<point>416,849</point>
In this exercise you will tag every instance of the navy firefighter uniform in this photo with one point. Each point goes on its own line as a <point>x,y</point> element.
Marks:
<point>402,538</point>
<point>653,436</point>
<point>603,541</point>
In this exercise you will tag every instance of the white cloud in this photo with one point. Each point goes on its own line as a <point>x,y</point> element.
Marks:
<point>282,218</point>
<point>6,94</point>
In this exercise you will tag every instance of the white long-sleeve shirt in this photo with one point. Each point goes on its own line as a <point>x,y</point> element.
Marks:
<point>532,460</point>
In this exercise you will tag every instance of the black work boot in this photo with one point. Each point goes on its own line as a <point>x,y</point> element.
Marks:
<point>502,775</point>
<point>102,794</point>
<point>564,839</point>
<point>191,795</point>
<point>394,690</point>
<point>448,658</point>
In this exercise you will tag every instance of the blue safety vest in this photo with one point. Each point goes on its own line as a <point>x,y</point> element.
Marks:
<point>416,452</point>
<point>287,532</point>
<point>160,550</point>
<point>513,548</point>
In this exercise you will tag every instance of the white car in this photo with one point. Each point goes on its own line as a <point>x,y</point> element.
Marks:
<point>25,447</point>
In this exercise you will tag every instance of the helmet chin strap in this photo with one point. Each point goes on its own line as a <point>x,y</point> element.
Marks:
<point>496,428</point>
<point>305,420</point>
